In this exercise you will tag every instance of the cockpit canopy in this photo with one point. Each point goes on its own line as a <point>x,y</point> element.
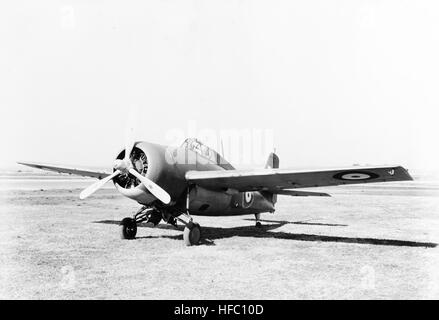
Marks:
<point>206,152</point>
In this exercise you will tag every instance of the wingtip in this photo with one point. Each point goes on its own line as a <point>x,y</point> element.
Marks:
<point>408,175</point>
<point>27,164</point>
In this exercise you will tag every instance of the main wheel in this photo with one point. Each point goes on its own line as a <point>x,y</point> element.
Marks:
<point>128,229</point>
<point>192,234</point>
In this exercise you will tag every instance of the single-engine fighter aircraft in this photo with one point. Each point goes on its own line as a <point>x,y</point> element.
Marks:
<point>174,183</point>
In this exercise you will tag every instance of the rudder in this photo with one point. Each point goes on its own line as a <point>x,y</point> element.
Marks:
<point>272,163</point>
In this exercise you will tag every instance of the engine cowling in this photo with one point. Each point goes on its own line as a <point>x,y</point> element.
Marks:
<point>151,161</point>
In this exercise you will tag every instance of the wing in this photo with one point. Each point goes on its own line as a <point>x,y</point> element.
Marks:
<point>278,179</point>
<point>75,171</point>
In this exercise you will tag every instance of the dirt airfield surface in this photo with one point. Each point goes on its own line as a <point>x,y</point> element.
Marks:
<point>366,242</point>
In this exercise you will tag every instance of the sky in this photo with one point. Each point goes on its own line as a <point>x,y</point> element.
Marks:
<point>336,82</point>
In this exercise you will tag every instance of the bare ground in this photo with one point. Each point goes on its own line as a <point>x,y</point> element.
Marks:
<point>373,242</point>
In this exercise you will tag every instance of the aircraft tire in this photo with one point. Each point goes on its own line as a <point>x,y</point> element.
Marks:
<point>192,234</point>
<point>128,229</point>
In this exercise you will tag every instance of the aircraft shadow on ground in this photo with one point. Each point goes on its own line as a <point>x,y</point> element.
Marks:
<point>215,233</point>
<point>303,223</point>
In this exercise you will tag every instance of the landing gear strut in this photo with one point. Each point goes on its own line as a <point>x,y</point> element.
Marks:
<point>258,222</point>
<point>192,231</point>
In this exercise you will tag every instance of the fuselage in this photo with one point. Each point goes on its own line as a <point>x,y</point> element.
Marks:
<point>167,167</point>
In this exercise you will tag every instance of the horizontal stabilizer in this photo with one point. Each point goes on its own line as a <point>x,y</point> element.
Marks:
<point>295,193</point>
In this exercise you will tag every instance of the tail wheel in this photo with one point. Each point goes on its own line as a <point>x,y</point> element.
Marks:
<point>128,229</point>
<point>192,234</point>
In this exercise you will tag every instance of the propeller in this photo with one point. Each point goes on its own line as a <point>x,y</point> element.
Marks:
<point>130,132</point>
<point>152,187</point>
<point>126,166</point>
<point>96,186</point>
<point>129,144</point>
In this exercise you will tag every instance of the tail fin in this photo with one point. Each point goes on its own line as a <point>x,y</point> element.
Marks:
<point>272,163</point>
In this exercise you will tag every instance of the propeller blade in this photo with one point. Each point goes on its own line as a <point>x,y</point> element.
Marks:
<point>96,186</point>
<point>156,190</point>
<point>129,143</point>
<point>130,133</point>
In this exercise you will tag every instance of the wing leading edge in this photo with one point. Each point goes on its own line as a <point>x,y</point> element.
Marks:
<point>279,179</point>
<point>75,171</point>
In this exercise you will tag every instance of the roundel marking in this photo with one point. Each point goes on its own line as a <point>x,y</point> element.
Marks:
<point>354,175</point>
<point>248,199</point>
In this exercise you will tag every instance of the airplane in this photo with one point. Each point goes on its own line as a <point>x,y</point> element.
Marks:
<point>175,183</point>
